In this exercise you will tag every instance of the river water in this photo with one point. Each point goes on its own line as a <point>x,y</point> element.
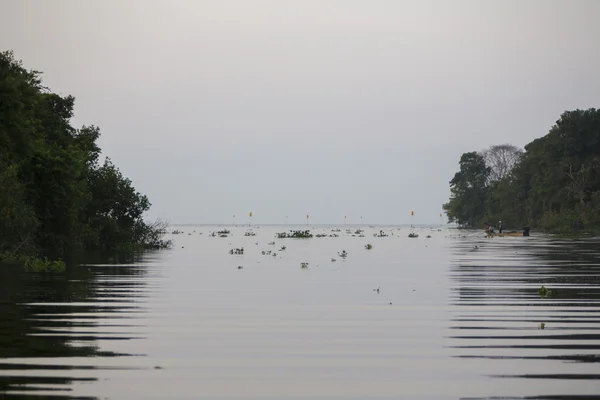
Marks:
<point>456,316</point>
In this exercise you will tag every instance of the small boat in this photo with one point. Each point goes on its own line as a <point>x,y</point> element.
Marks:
<point>509,234</point>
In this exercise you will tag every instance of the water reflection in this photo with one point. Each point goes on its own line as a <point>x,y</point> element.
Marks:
<point>508,330</point>
<point>51,325</point>
<point>457,315</point>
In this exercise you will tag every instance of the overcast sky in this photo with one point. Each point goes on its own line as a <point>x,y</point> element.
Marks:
<point>330,108</point>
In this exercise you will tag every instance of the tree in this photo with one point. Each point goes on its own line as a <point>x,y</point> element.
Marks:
<point>468,191</point>
<point>554,184</point>
<point>501,159</point>
<point>55,198</point>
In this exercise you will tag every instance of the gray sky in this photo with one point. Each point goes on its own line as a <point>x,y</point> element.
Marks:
<point>319,107</point>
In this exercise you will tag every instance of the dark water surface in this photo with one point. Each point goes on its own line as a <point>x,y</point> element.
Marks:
<point>450,321</point>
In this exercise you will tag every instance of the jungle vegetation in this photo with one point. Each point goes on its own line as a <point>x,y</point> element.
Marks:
<point>553,184</point>
<point>56,195</point>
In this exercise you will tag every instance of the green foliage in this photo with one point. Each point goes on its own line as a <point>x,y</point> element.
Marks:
<point>544,292</point>
<point>56,198</point>
<point>295,235</point>
<point>554,185</point>
<point>34,264</point>
<point>468,191</point>
<point>44,265</point>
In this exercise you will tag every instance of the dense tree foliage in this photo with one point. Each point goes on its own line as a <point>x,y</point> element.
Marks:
<point>553,185</point>
<point>55,196</point>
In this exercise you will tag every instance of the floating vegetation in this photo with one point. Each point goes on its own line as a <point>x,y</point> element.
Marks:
<point>282,248</point>
<point>266,253</point>
<point>380,234</point>
<point>333,259</point>
<point>249,233</point>
<point>413,235</point>
<point>343,254</point>
<point>335,230</point>
<point>368,247</point>
<point>334,235</point>
<point>295,235</point>
<point>358,231</point>
<point>239,267</point>
<point>271,243</point>
<point>304,265</point>
<point>545,292</point>
<point>321,235</point>
<point>220,234</point>
<point>176,232</point>
<point>428,236</point>
<point>223,233</point>
<point>236,251</point>
<point>542,325</point>
<point>44,265</point>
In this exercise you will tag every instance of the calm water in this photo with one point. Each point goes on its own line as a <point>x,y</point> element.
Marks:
<point>449,321</point>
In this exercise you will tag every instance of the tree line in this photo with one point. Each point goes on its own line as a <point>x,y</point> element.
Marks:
<point>553,184</point>
<point>56,197</point>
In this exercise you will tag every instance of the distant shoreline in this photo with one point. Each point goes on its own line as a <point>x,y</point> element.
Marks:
<point>324,225</point>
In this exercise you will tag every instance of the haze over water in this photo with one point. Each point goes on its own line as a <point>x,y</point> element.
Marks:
<point>450,320</point>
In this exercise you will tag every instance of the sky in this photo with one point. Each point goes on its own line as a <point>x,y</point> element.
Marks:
<point>326,108</point>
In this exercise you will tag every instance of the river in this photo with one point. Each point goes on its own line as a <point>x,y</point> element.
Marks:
<point>456,316</point>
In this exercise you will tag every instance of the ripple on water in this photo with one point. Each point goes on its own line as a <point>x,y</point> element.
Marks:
<point>450,321</point>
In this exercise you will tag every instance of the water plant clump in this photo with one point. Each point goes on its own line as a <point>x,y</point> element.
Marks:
<point>33,263</point>
<point>368,247</point>
<point>44,265</point>
<point>249,233</point>
<point>321,235</point>
<point>544,292</point>
<point>358,231</point>
<point>304,265</point>
<point>12,258</point>
<point>236,251</point>
<point>282,248</point>
<point>380,234</point>
<point>413,235</point>
<point>295,235</point>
